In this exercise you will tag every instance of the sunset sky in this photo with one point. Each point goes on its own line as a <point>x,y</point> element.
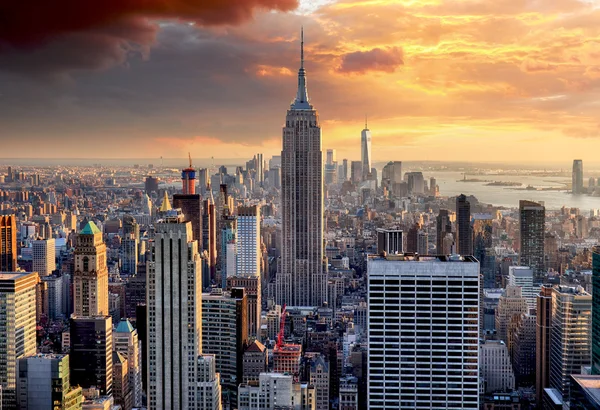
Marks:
<point>479,80</point>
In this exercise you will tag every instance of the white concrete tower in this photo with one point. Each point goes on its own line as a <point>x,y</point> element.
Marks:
<point>302,280</point>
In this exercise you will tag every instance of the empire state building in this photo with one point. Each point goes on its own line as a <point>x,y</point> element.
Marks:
<point>302,278</point>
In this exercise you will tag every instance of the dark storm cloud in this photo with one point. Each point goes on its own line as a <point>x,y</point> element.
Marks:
<point>377,59</point>
<point>43,36</point>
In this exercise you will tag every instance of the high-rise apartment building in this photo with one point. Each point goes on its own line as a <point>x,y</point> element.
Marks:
<point>44,256</point>
<point>577,177</point>
<point>389,241</point>
<point>365,152</point>
<point>532,217</point>
<point>8,243</point>
<point>596,310</point>
<point>225,333</point>
<point>90,279</point>
<point>174,315</point>
<point>17,328</point>
<point>302,280</point>
<point>423,319</point>
<point>464,233</point>
<point>44,384</point>
<point>542,341</point>
<point>522,276</point>
<point>570,336</point>
<point>90,357</point>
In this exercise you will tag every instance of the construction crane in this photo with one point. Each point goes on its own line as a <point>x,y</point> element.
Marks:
<point>281,328</point>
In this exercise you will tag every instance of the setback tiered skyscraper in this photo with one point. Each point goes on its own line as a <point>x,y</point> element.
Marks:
<point>423,315</point>
<point>596,310</point>
<point>174,315</point>
<point>302,280</point>
<point>532,217</point>
<point>90,281</point>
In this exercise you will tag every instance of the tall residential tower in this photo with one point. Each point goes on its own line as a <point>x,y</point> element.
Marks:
<point>302,280</point>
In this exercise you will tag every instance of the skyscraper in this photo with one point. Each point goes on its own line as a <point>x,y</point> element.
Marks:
<point>129,246</point>
<point>391,174</point>
<point>44,383</point>
<point>191,206</point>
<point>188,179</point>
<point>356,172</point>
<point>365,152</point>
<point>125,341</point>
<point>174,315</point>
<point>302,280</point>
<point>482,248</point>
<point>44,256</point>
<point>423,315</point>
<point>209,383</point>
<point>228,248</point>
<point>17,328</point>
<point>225,333</point>
<point>577,177</point>
<point>522,276</point>
<point>8,243</point>
<point>570,344</point>
<point>596,310</point>
<point>209,234</point>
<point>542,341</point>
<point>463,226</point>
<point>443,227</point>
<point>389,241</point>
<point>248,229</point>
<point>532,217</point>
<point>91,353</point>
<point>90,280</point>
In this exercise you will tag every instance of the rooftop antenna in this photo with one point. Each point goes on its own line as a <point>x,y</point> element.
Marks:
<point>302,47</point>
<point>366,127</point>
<point>190,158</point>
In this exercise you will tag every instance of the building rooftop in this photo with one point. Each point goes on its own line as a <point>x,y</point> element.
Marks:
<point>90,229</point>
<point>14,275</point>
<point>414,257</point>
<point>590,384</point>
<point>124,327</point>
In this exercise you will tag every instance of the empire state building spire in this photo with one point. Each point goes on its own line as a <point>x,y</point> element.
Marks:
<point>301,102</point>
<point>302,276</point>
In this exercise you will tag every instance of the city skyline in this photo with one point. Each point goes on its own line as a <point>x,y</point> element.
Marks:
<point>444,75</point>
